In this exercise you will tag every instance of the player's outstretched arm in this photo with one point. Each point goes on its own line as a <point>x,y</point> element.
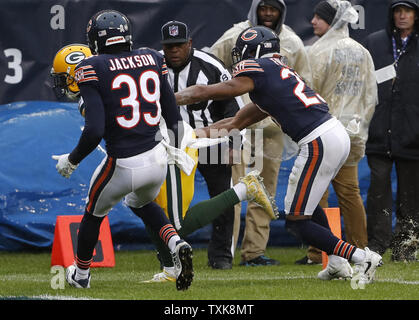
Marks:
<point>245,117</point>
<point>219,91</point>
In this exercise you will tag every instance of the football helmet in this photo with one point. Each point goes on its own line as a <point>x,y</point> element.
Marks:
<point>107,28</point>
<point>254,42</point>
<point>63,66</point>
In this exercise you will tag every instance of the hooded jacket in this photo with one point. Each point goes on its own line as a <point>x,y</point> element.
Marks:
<point>294,55</point>
<point>292,47</point>
<point>344,75</point>
<point>394,128</point>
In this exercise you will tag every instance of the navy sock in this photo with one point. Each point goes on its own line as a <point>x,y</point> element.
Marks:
<point>87,239</point>
<point>320,237</point>
<point>313,234</point>
<point>319,217</point>
<point>154,217</point>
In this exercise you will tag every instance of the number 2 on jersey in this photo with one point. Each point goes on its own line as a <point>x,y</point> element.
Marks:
<point>299,89</point>
<point>132,100</point>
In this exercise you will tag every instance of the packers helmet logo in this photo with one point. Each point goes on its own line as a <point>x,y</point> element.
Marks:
<point>75,57</point>
<point>249,35</point>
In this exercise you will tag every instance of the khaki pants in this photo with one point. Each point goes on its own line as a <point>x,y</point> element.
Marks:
<point>257,228</point>
<point>346,186</point>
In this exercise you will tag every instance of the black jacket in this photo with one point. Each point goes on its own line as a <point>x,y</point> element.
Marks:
<point>394,128</point>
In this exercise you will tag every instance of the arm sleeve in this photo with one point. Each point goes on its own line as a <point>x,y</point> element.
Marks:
<point>94,127</point>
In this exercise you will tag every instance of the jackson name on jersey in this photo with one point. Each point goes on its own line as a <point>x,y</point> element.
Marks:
<point>132,62</point>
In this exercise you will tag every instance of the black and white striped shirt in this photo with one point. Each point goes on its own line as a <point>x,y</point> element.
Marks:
<point>203,68</point>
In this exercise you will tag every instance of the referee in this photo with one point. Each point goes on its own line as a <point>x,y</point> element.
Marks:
<point>189,66</point>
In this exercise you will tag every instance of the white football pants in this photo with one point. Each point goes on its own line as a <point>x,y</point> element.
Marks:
<point>136,178</point>
<point>321,155</point>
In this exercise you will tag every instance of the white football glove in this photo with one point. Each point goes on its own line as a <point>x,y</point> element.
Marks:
<point>64,167</point>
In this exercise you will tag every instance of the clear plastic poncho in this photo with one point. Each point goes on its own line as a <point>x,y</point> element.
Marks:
<point>343,74</point>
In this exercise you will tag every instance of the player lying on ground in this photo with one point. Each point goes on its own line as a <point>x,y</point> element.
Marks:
<point>277,91</point>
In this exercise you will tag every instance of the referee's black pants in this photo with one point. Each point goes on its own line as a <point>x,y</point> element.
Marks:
<point>218,179</point>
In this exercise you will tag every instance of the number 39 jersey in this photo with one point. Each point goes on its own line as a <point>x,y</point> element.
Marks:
<point>126,93</point>
<point>280,92</point>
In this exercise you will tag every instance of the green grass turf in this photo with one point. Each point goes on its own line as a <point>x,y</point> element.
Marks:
<point>28,275</point>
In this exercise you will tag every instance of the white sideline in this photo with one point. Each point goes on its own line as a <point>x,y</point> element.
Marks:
<point>118,276</point>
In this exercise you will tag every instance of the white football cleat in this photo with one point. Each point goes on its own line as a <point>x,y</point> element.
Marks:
<point>336,269</point>
<point>365,270</point>
<point>168,275</point>
<point>70,276</point>
<point>182,262</point>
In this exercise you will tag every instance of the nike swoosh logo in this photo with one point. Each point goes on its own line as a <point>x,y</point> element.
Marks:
<point>368,266</point>
<point>333,273</point>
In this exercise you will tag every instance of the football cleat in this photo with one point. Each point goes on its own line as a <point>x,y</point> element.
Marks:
<point>257,193</point>
<point>365,270</point>
<point>70,276</point>
<point>167,275</point>
<point>340,269</point>
<point>260,261</point>
<point>182,261</point>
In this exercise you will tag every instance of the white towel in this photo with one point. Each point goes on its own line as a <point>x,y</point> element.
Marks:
<point>179,156</point>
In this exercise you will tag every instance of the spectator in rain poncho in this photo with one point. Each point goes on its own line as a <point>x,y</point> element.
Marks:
<point>343,74</point>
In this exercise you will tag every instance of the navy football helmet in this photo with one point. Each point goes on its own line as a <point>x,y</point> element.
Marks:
<point>254,42</point>
<point>107,28</point>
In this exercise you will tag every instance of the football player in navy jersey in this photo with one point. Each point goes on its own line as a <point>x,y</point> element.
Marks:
<point>323,144</point>
<point>174,200</point>
<point>126,93</point>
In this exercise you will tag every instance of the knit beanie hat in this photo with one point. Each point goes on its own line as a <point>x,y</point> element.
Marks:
<point>325,11</point>
<point>272,3</point>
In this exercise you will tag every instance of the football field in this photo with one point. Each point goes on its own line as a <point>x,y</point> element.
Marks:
<point>30,276</point>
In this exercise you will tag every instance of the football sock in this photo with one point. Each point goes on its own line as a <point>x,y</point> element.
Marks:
<point>196,217</point>
<point>87,239</point>
<point>319,217</point>
<point>358,256</point>
<point>165,256</point>
<point>81,273</point>
<point>344,249</point>
<point>241,191</point>
<point>169,236</point>
<point>207,211</point>
<point>320,237</point>
<point>154,217</point>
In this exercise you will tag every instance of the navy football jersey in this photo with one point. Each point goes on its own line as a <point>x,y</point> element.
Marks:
<point>125,95</point>
<point>280,92</point>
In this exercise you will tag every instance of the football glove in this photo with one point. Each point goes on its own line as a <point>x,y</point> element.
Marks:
<point>64,166</point>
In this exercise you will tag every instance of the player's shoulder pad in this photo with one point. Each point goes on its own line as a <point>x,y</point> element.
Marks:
<point>85,71</point>
<point>247,66</point>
